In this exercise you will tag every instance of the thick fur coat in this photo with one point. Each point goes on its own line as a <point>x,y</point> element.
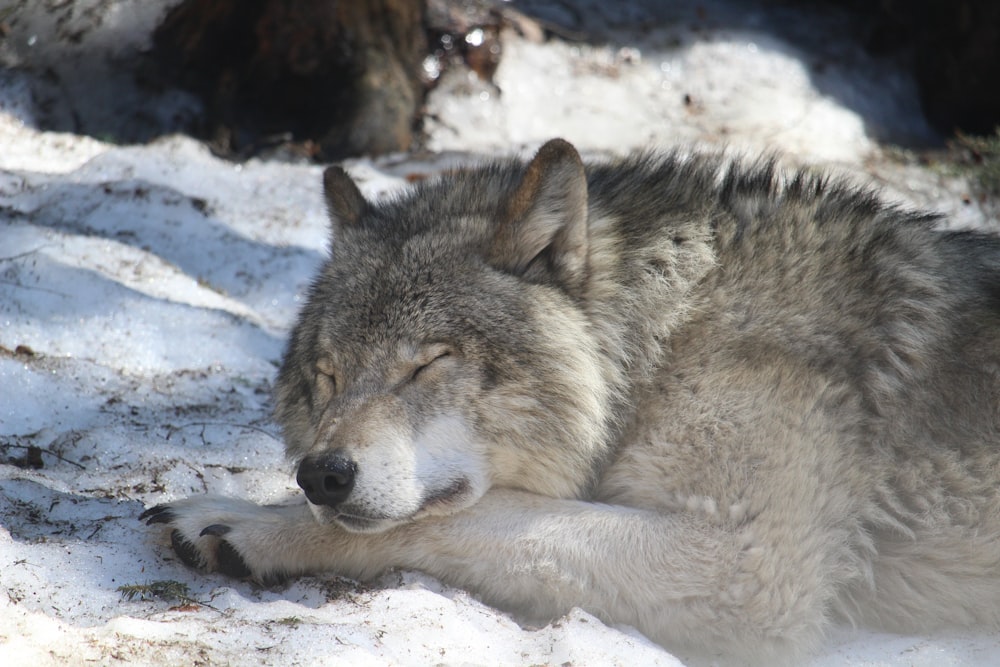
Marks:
<point>726,405</point>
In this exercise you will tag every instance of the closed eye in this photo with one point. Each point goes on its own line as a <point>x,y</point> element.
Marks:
<point>326,378</point>
<point>423,367</point>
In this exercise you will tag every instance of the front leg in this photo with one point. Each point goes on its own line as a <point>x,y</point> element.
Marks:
<point>680,580</point>
<point>266,543</point>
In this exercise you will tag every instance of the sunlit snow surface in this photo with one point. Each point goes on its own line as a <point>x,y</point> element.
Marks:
<point>145,293</point>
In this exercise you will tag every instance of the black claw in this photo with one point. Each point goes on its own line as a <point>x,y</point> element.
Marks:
<point>186,551</point>
<point>158,514</point>
<point>231,563</point>
<point>273,579</point>
<point>216,529</point>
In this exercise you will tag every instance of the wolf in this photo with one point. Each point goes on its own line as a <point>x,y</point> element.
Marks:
<point>722,402</point>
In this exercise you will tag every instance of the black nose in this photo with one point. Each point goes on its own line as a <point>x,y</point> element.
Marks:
<point>327,478</point>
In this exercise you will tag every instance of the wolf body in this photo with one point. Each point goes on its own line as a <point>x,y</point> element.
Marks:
<point>723,404</point>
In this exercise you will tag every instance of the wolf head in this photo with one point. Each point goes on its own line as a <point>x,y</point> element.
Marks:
<point>445,346</point>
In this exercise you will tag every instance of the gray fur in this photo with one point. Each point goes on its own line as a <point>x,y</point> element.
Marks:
<point>721,403</point>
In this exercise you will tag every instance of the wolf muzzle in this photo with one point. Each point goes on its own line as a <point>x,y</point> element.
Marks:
<point>327,478</point>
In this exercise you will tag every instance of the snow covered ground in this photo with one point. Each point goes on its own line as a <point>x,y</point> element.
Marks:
<point>145,292</point>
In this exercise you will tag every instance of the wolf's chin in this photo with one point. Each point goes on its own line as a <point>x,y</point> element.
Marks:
<point>329,516</point>
<point>355,524</point>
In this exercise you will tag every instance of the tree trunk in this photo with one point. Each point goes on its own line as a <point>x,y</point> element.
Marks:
<point>340,75</point>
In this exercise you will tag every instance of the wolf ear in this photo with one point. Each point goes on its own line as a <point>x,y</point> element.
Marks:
<point>344,202</point>
<point>546,219</point>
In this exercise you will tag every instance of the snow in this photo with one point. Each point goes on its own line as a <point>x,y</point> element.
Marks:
<point>661,98</point>
<point>146,290</point>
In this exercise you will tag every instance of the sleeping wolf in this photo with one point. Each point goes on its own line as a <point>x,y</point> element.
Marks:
<point>722,404</point>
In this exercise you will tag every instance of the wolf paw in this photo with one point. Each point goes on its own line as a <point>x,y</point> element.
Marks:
<point>222,535</point>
